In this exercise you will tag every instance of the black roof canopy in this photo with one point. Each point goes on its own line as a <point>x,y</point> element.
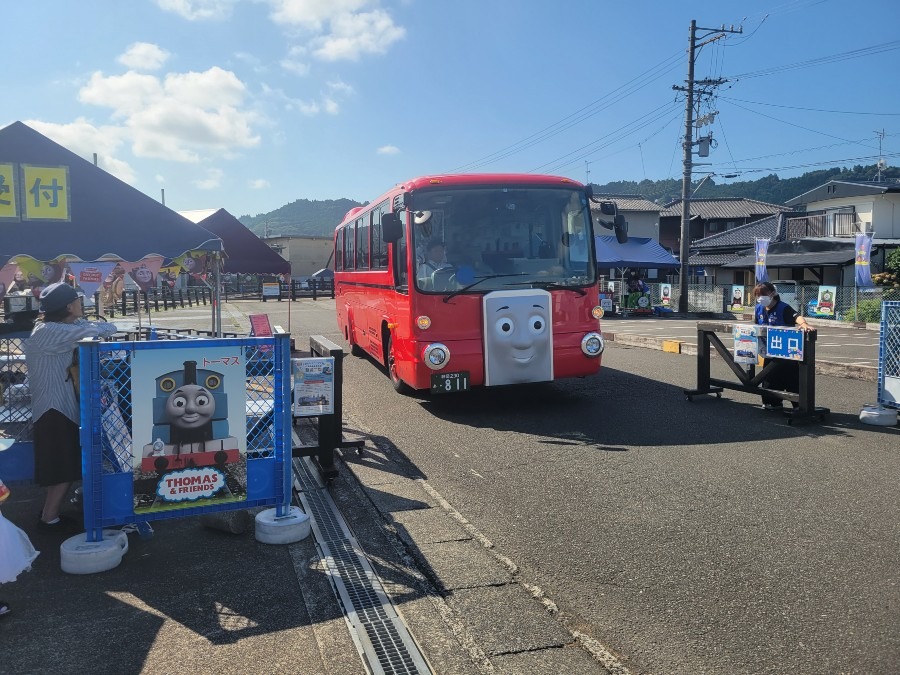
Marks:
<point>107,218</point>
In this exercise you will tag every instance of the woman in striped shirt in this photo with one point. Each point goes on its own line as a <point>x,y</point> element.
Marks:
<point>54,407</point>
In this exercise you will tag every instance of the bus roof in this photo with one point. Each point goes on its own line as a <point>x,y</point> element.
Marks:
<point>467,179</point>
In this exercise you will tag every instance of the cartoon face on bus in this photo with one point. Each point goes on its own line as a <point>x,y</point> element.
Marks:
<point>518,337</point>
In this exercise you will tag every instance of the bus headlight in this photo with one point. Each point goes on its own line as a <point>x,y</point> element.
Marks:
<point>436,355</point>
<point>597,312</point>
<point>592,344</point>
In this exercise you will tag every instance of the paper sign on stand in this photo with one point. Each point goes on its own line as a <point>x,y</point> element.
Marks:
<point>313,386</point>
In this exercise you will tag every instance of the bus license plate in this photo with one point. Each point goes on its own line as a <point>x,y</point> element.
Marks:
<point>447,383</point>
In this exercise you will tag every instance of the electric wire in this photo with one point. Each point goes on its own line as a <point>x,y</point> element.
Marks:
<point>626,89</point>
<point>822,60</point>
<point>794,107</point>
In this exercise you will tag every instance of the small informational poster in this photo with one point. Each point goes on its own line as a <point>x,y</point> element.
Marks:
<point>825,302</point>
<point>271,289</point>
<point>665,294</point>
<point>606,304</point>
<point>737,299</point>
<point>784,343</point>
<point>313,386</point>
<point>746,343</point>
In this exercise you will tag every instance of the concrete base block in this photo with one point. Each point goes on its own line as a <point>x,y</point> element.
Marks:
<point>878,415</point>
<point>80,556</point>
<point>288,529</point>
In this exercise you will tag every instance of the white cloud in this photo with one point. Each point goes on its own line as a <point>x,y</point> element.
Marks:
<point>194,10</point>
<point>339,87</point>
<point>160,178</point>
<point>339,29</point>
<point>312,14</point>
<point>330,105</point>
<point>84,139</point>
<point>259,184</point>
<point>212,181</point>
<point>353,35</point>
<point>293,63</point>
<point>185,117</point>
<point>388,150</point>
<point>144,56</point>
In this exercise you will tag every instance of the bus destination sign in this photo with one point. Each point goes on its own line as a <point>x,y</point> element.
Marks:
<point>447,383</point>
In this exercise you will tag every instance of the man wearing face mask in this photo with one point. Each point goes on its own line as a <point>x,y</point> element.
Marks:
<point>771,311</point>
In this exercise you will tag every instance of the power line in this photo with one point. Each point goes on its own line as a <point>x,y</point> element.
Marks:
<point>822,60</point>
<point>794,107</point>
<point>792,124</point>
<point>579,115</point>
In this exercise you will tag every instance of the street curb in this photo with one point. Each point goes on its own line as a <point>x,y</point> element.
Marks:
<point>865,373</point>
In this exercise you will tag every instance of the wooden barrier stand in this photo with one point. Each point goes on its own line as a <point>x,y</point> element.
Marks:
<point>750,381</point>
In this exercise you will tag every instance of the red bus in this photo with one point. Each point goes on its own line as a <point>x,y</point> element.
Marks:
<point>456,281</point>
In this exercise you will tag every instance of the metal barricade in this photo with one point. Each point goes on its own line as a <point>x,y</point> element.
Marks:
<point>750,381</point>
<point>889,356</point>
<point>147,456</point>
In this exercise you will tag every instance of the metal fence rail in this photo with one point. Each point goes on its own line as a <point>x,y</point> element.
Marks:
<point>889,356</point>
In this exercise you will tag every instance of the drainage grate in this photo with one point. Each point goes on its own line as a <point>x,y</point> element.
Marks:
<point>382,637</point>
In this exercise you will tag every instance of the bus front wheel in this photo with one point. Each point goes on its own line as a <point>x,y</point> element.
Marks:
<point>391,364</point>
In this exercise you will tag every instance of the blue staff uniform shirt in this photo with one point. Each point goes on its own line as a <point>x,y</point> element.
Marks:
<point>782,314</point>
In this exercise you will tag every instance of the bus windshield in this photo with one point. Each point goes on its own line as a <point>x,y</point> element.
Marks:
<point>501,238</point>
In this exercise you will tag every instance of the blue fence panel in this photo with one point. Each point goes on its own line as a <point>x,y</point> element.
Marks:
<point>889,356</point>
<point>180,428</point>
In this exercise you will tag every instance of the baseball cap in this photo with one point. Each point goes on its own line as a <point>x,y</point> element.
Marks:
<point>56,296</point>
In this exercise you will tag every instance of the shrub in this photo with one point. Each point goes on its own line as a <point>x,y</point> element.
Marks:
<point>867,310</point>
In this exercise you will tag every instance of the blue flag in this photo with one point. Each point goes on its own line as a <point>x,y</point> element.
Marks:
<point>863,253</point>
<point>762,249</point>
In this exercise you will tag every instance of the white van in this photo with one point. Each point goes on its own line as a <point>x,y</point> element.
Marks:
<point>788,291</point>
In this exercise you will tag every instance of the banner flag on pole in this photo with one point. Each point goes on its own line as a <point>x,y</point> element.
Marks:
<point>762,249</point>
<point>863,254</point>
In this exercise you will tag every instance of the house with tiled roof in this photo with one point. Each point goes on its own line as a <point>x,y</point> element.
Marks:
<point>712,216</point>
<point>710,255</point>
<point>640,213</point>
<point>817,242</point>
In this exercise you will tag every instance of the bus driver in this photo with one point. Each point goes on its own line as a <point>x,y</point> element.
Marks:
<point>435,259</point>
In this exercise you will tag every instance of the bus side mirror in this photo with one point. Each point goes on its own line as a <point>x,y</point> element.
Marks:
<point>608,208</point>
<point>621,228</point>
<point>589,191</point>
<point>391,229</point>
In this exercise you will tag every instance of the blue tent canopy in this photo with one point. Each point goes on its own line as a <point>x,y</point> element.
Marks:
<point>636,252</point>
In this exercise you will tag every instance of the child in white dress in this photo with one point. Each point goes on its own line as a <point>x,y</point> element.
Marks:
<point>16,551</point>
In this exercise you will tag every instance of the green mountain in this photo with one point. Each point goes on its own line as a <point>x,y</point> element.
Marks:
<point>306,217</point>
<point>771,188</point>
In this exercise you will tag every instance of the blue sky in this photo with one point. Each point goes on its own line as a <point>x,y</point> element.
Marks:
<point>251,104</point>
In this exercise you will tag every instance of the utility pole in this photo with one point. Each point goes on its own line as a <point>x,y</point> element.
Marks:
<point>689,90</point>
<point>881,163</point>
<point>587,172</point>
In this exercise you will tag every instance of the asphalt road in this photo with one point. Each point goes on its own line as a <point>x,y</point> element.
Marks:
<point>683,537</point>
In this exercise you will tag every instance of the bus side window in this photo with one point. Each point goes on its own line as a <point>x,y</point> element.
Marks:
<point>339,250</point>
<point>362,243</point>
<point>349,246</point>
<point>401,266</point>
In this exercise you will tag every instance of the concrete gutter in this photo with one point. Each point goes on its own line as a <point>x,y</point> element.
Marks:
<point>852,372</point>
